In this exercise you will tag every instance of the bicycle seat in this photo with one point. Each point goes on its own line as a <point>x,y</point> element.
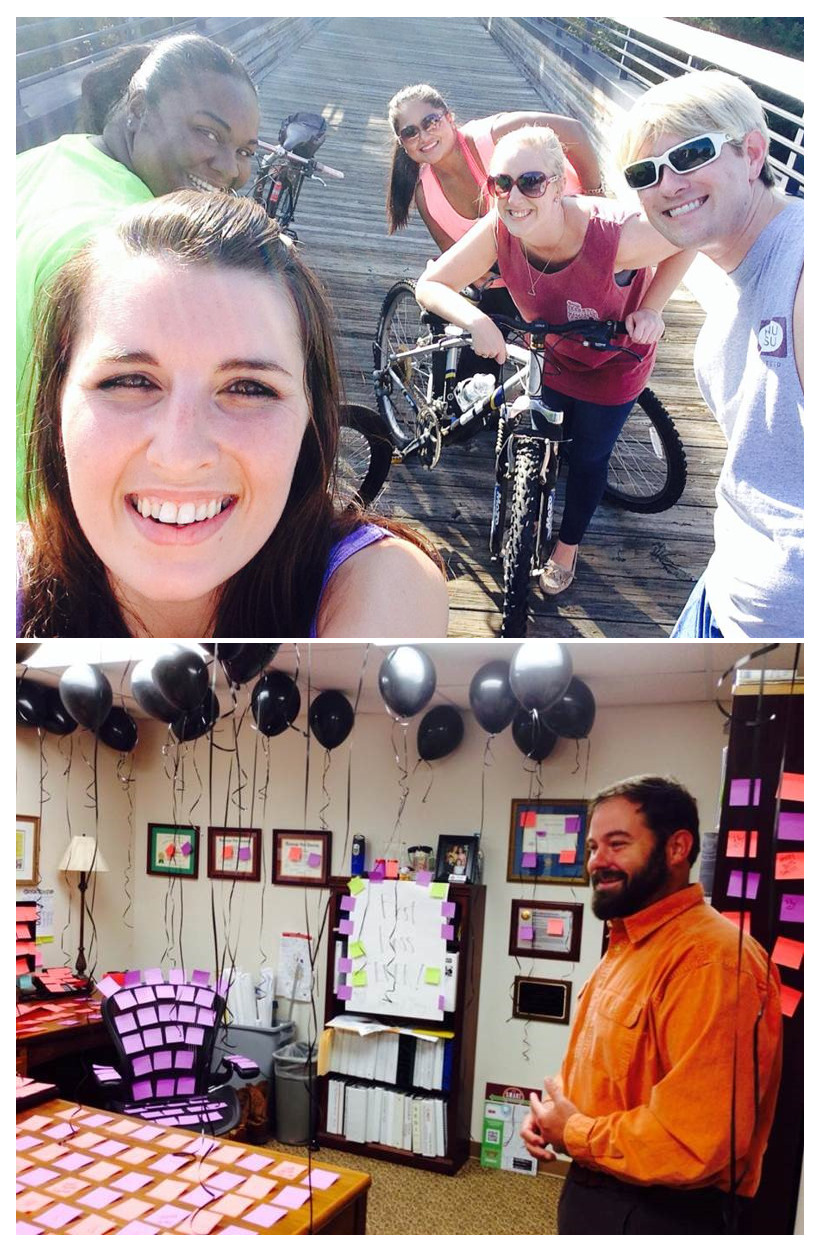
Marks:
<point>303,133</point>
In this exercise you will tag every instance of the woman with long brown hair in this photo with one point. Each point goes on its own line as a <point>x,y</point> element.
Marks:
<point>184,441</point>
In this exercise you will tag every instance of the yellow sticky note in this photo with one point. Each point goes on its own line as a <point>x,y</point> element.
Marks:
<point>438,890</point>
<point>356,949</point>
<point>359,978</point>
<point>356,885</point>
<point>431,975</point>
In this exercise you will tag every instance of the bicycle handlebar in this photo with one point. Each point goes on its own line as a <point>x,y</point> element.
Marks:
<point>318,167</point>
<point>583,326</point>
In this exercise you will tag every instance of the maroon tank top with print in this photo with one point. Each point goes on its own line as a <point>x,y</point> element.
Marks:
<point>584,288</point>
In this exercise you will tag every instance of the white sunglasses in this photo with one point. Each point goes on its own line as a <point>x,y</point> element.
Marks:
<point>693,154</point>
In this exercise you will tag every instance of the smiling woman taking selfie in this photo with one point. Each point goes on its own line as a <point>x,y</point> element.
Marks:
<point>184,441</point>
<point>181,114</point>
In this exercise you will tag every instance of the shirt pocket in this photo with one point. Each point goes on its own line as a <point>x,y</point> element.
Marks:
<point>617,1029</point>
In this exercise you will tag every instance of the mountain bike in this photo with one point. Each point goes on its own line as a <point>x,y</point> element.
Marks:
<point>423,407</point>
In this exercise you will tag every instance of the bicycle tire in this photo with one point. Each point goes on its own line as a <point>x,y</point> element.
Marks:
<point>364,457</point>
<point>521,542</point>
<point>647,472</point>
<point>400,327</point>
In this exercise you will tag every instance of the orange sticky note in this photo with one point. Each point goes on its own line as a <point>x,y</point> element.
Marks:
<point>734,916</point>
<point>791,787</point>
<point>528,819</point>
<point>788,952</point>
<point>228,853</point>
<point>554,926</point>
<point>789,865</point>
<point>737,842</point>
<point>568,856</point>
<point>392,870</point>
<point>295,852</point>
<point>790,1000</point>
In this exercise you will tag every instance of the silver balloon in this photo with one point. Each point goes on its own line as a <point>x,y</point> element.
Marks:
<point>407,680</point>
<point>539,674</point>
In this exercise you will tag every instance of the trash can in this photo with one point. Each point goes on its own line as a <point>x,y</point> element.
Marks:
<point>257,1043</point>
<point>296,1093</point>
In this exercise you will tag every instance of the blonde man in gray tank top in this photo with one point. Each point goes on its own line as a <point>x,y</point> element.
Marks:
<point>695,149</point>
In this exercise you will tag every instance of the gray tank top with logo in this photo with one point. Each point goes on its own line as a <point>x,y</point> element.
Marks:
<point>745,368</point>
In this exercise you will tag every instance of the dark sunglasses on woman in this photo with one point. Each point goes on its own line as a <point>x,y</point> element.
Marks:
<point>693,154</point>
<point>531,184</point>
<point>428,123</point>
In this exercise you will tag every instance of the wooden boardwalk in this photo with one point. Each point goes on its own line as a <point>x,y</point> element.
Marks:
<point>634,572</point>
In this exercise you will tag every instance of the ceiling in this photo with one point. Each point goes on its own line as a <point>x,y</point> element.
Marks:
<point>618,673</point>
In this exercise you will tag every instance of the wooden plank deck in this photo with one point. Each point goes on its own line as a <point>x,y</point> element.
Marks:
<point>634,572</point>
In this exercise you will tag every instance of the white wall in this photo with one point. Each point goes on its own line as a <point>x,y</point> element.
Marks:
<point>684,740</point>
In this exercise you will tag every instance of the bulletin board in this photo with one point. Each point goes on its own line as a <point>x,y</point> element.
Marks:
<point>547,842</point>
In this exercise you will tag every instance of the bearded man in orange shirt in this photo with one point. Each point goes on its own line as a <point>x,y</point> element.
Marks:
<point>668,1088</point>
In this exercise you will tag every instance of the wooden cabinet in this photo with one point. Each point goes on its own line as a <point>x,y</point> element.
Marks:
<point>467,922</point>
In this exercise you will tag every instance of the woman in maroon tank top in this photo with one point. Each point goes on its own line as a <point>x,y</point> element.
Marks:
<point>564,258</point>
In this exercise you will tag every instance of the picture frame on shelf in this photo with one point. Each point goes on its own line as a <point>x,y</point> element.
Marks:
<point>302,858</point>
<point>541,1000</point>
<point>234,853</point>
<point>456,859</point>
<point>173,850</point>
<point>546,842</point>
<point>28,850</point>
<point>550,929</point>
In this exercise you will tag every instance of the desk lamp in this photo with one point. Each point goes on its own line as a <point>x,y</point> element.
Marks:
<point>83,857</point>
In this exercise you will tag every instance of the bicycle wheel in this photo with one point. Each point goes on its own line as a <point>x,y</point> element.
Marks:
<point>647,472</point>
<point>364,457</point>
<point>400,328</point>
<point>521,542</point>
<point>285,206</point>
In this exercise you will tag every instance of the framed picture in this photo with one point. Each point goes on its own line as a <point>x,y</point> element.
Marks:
<point>545,929</point>
<point>28,849</point>
<point>543,1000</point>
<point>456,858</point>
<point>302,858</point>
<point>173,850</point>
<point>234,853</point>
<point>546,842</point>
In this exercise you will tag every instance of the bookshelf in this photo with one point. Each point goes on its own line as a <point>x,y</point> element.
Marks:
<point>461,1021</point>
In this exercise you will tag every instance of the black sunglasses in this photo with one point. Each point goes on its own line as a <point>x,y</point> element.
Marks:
<point>532,184</point>
<point>691,155</point>
<point>429,123</point>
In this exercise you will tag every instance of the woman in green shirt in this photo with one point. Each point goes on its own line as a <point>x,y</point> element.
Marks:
<point>182,114</point>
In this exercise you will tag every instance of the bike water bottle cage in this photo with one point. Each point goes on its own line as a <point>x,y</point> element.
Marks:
<point>693,154</point>
<point>303,133</point>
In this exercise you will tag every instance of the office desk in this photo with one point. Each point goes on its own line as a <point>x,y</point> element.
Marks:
<point>51,1029</point>
<point>124,1175</point>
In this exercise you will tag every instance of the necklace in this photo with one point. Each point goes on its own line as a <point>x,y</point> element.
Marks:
<point>532,281</point>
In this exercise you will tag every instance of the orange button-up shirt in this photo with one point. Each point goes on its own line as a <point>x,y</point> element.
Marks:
<point>651,1054</point>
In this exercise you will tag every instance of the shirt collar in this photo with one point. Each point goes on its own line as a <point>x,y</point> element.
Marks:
<point>642,924</point>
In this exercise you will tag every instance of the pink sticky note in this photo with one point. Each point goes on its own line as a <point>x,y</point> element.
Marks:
<point>344,992</point>
<point>27,1229</point>
<point>295,852</point>
<point>254,1161</point>
<point>789,865</point>
<point>58,1216</point>
<point>38,1176</point>
<point>790,826</point>
<point>231,1206</point>
<point>199,1224</point>
<point>292,1198</point>
<point>788,952</point>
<point>528,818</point>
<point>423,878</point>
<point>447,909</point>
<point>743,884</point>
<point>256,1187</point>
<point>92,1225</point>
<point>226,1153</point>
<point>168,1190</point>
<point>171,1162</point>
<point>133,1181</point>
<point>555,926</point>
<point>348,902</point>
<point>346,926</point>
<point>790,1000</point>
<point>377,874</point>
<point>441,1002</point>
<point>74,1161</point>
<point>100,1171</point>
<point>245,853</point>
<point>345,965</point>
<point>224,1181</point>
<point>130,1208</point>
<point>391,869</point>
<point>791,787</point>
<point>525,932</point>
<point>737,841</point>
<point>736,918</point>
<point>321,1178</point>
<point>314,859</point>
<point>107,986</point>
<point>792,908</point>
<point>568,856</point>
<point>67,1185</point>
<point>168,1216</point>
<point>528,861</point>
<point>265,1215</point>
<point>98,1198</point>
<point>97,1120</point>
<point>137,1228</point>
<point>740,792</point>
<point>287,1170</point>
<point>572,824</point>
<point>447,933</point>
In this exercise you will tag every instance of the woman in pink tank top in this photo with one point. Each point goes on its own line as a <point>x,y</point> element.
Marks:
<point>564,258</point>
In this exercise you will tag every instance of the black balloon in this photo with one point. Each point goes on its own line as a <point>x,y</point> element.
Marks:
<point>533,738</point>
<point>57,718</point>
<point>573,715</point>
<point>191,726</point>
<point>119,730</point>
<point>244,661</point>
<point>180,676</point>
<point>407,680</point>
<point>331,718</point>
<point>440,732</point>
<point>147,695</point>
<point>32,708</point>
<point>539,674</point>
<point>491,698</point>
<point>276,701</point>
<point>86,694</point>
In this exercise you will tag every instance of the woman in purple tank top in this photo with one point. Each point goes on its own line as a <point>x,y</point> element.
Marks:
<point>564,258</point>
<point>184,439</point>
